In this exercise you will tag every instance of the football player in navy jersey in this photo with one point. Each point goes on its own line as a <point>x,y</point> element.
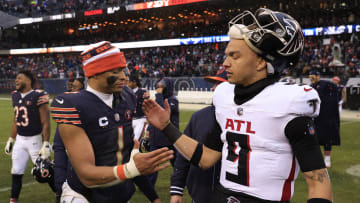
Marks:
<point>61,162</point>
<point>164,89</point>
<point>341,92</point>
<point>95,127</point>
<point>264,132</point>
<point>327,124</point>
<point>139,121</point>
<point>200,183</point>
<point>31,128</point>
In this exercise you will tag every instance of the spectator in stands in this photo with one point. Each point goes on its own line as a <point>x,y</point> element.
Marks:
<point>327,124</point>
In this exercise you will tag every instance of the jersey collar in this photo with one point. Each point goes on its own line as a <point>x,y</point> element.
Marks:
<point>106,98</point>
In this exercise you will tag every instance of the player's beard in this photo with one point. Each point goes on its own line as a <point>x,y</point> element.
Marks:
<point>21,87</point>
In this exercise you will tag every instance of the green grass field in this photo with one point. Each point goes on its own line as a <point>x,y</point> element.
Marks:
<point>346,187</point>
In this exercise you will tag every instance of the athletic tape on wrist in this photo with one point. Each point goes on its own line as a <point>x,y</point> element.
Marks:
<point>128,170</point>
<point>172,133</point>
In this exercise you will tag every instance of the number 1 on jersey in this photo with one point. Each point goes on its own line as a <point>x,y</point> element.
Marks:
<point>242,176</point>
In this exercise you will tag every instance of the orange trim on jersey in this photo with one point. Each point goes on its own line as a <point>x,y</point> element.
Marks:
<point>39,103</point>
<point>104,64</point>
<point>66,115</point>
<point>120,172</point>
<point>67,121</point>
<point>62,109</point>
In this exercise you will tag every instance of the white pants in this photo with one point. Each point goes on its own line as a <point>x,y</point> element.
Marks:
<point>139,125</point>
<point>68,195</point>
<point>25,147</point>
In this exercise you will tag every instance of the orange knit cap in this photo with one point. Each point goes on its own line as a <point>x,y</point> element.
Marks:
<point>102,57</point>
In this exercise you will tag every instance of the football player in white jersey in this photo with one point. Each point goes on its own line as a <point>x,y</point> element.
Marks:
<point>264,130</point>
<point>31,128</point>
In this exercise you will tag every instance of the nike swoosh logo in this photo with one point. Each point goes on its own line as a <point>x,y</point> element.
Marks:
<point>60,101</point>
<point>307,89</point>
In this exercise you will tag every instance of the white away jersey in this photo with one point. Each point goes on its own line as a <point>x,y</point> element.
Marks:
<point>257,158</point>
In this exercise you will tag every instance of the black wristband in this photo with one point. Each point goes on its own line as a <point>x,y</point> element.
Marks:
<point>195,159</point>
<point>172,133</point>
<point>318,200</point>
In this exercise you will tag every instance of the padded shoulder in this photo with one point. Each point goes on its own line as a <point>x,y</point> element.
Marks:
<point>301,100</point>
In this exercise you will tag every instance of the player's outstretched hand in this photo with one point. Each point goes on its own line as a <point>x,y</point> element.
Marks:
<point>9,146</point>
<point>155,114</point>
<point>148,163</point>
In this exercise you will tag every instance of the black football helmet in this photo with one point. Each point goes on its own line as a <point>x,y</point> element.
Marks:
<point>275,36</point>
<point>43,170</point>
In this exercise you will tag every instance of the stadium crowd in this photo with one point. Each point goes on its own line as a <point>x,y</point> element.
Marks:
<point>339,57</point>
<point>52,7</point>
<point>153,26</point>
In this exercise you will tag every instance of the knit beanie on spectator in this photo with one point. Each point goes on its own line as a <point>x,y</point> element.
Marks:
<point>101,57</point>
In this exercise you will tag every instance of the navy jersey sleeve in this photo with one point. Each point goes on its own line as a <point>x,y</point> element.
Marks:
<point>42,97</point>
<point>13,97</point>
<point>61,161</point>
<point>181,168</point>
<point>64,112</point>
<point>145,186</point>
<point>174,107</point>
<point>159,98</point>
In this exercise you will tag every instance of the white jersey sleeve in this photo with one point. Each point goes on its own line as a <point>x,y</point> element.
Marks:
<point>305,102</point>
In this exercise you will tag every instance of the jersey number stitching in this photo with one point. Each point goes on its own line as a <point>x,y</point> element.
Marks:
<point>119,155</point>
<point>242,176</point>
<point>25,122</point>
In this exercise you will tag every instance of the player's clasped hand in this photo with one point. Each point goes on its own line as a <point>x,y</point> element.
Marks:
<point>148,163</point>
<point>9,146</point>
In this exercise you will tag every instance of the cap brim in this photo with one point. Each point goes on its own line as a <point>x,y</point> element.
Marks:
<point>214,79</point>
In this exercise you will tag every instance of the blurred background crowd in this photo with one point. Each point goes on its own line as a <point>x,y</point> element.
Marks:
<point>331,55</point>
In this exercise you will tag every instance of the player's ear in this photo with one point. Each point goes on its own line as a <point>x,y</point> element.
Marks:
<point>260,64</point>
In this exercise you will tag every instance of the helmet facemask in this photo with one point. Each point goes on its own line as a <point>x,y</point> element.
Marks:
<point>274,36</point>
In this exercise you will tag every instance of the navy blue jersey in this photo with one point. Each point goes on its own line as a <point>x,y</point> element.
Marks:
<point>61,162</point>
<point>340,89</point>
<point>200,183</point>
<point>27,115</point>
<point>109,131</point>
<point>139,101</point>
<point>327,124</point>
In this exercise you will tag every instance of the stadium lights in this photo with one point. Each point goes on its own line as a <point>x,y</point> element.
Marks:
<point>332,30</point>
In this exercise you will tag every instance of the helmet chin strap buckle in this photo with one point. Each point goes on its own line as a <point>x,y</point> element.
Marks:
<point>270,68</point>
